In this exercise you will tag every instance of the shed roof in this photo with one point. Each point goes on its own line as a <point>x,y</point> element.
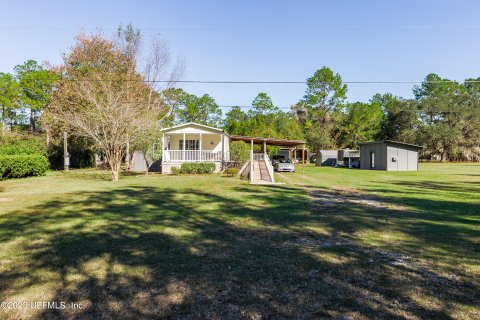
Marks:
<point>269,141</point>
<point>392,142</point>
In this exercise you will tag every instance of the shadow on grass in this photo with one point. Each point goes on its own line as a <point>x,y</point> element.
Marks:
<point>146,252</point>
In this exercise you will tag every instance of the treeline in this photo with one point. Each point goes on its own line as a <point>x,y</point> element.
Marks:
<point>443,116</point>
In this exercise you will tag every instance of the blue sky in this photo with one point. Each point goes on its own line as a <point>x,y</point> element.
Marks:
<point>267,40</point>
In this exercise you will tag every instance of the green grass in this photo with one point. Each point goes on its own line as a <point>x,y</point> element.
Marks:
<point>329,243</point>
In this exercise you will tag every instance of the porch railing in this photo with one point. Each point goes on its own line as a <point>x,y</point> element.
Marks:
<point>193,155</point>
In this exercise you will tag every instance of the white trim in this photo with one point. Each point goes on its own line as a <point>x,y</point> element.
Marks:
<point>192,124</point>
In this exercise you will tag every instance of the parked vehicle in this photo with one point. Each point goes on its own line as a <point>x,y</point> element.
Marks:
<point>355,164</point>
<point>278,157</point>
<point>284,165</point>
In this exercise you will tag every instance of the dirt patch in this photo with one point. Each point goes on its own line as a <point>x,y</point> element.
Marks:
<point>329,200</point>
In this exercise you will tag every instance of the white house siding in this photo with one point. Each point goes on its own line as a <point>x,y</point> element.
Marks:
<point>207,138</point>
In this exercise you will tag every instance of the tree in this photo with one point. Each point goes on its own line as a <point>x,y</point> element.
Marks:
<point>35,88</point>
<point>101,95</point>
<point>173,98</point>
<point>236,121</point>
<point>9,99</point>
<point>361,123</point>
<point>400,118</point>
<point>239,152</point>
<point>438,108</point>
<point>263,105</point>
<point>320,109</point>
<point>202,109</point>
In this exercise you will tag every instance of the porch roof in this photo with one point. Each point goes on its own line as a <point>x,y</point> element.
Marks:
<point>193,125</point>
<point>269,141</point>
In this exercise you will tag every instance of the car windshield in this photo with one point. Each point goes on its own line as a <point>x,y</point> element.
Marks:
<point>285,161</point>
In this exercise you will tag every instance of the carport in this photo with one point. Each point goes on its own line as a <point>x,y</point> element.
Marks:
<point>259,168</point>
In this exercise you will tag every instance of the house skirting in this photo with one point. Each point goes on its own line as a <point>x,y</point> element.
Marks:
<point>167,166</point>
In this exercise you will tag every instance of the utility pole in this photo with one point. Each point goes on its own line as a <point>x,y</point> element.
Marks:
<point>66,156</point>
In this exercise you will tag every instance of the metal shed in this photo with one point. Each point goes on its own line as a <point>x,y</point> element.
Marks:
<point>326,158</point>
<point>389,155</point>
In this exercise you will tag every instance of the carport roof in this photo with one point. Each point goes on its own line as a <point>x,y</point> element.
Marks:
<point>392,142</point>
<point>269,141</point>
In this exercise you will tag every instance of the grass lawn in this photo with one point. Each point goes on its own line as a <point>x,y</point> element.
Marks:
<point>329,243</point>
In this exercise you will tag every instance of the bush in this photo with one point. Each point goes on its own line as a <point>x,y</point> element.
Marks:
<point>13,144</point>
<point>175,170</point>
<point>195,168</point>
<point>239,152</point>
<point>231,172</point>
<point>19,166</point>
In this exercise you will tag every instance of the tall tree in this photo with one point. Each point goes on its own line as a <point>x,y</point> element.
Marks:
<point>202,109</point>
<point>236,121</point>
<point>102,96</point>
<point>361,123</point>
<point>438,106</point>
<point>9,99</point>
<point>263,105</point>
<point>320,108</point>
<point>400,118</point>
<point>35,88</point>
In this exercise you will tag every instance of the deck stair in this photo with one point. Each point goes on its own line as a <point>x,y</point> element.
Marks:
<point>260,174</point>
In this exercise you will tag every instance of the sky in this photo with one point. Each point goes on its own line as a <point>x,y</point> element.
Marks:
<point>266,40</point>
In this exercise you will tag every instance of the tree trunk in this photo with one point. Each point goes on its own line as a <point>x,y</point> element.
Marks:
<point>32,127</point>
<point>127,157</point>
<point>114,158</point>
<point>444,155</point>
<point>4,122</point>
<point>115,173</point>
<point>47,136</point>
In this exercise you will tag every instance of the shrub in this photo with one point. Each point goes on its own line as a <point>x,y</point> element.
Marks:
<point>19,166</point>
<point>239,152</point>
<point>22,144</point>
<point>195,168</point>
<point>175,170</point>
<point>231,172</point>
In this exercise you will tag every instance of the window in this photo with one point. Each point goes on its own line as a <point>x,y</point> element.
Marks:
<point>190,144</point>
<point>372,160</point>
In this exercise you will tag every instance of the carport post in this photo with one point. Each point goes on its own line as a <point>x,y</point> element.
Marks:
<point>295,155</point>
<point>303,157</point>
<point>251,160</point>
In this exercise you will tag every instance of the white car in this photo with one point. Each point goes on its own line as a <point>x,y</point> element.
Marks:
<point>284,165</point>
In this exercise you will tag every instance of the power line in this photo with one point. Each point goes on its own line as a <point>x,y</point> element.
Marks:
<point>236,82</point>
<point>194,28</point>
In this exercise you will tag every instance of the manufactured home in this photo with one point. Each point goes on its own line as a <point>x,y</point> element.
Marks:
<point>193,142</point>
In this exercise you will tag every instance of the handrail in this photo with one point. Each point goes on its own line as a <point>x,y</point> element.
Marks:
<point>194,155</point>
<point>269,166</point>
